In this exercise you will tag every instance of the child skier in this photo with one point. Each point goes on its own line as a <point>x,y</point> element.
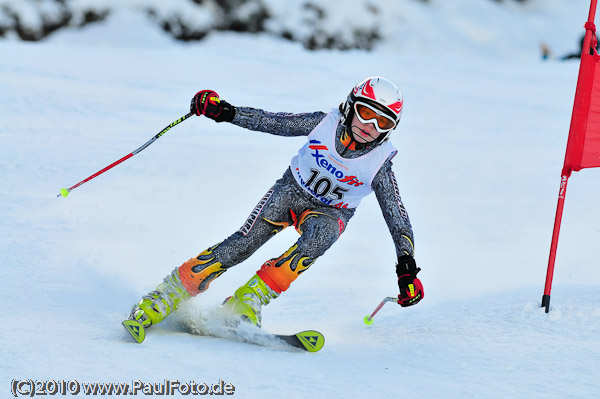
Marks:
<point>346,157</point>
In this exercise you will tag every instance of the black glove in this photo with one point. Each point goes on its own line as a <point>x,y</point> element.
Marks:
<point>411,289</point>
<point>208,103</point>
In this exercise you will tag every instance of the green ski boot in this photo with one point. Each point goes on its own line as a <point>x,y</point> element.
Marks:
<point>248,299</point>
<point>154,307</point>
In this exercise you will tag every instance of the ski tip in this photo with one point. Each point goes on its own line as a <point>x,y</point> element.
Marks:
<point>313,341</point>
<point>136,330</point>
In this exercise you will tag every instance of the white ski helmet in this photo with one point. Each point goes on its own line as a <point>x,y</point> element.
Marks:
<point>381,101</point>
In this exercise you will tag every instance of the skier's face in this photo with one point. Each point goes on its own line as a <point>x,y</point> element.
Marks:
<point>364,132</point>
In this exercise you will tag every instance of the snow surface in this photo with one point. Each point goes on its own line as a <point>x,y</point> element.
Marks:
<point>481,146</point>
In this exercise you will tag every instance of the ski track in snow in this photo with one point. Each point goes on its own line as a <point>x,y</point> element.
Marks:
<point>481,146</point>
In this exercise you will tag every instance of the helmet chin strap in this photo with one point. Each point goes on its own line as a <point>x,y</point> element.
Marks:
<point>357,144</point>
<point>367,133</point>
<point>350,140</point>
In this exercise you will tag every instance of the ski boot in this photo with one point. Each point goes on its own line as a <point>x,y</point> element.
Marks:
<point>247,300</point>
<point>154,307</point>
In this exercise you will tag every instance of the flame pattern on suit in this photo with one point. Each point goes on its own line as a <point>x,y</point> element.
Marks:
<point>197,273</point>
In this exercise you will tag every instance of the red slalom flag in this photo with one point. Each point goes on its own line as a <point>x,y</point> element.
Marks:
<point>583,145</point>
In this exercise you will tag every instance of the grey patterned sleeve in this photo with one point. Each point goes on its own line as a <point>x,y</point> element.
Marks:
<point>386,190</point>
<point>277,123</point>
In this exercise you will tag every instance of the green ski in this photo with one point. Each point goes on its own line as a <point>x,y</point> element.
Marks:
<point>310,340</point>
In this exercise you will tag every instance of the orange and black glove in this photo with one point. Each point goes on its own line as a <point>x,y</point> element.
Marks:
<point>208,103</point>
<point>411,288</point>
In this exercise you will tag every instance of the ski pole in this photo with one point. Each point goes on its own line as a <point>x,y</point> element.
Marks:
<point>369,319</point>
<point>65,191</point>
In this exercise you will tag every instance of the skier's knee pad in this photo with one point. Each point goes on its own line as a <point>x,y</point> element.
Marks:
<point>197,273</point>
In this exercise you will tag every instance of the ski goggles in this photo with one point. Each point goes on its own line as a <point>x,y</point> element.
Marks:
<point>369,114</point>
